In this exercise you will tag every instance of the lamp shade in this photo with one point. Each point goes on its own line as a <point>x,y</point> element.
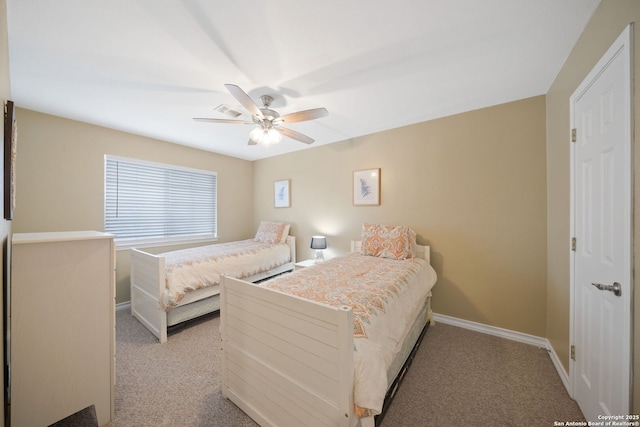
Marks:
<point>318,242</point>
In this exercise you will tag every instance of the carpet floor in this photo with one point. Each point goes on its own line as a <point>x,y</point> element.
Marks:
<point>458,377</point>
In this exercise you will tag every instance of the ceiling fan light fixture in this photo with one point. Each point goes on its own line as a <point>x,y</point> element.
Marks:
<point>256,135</point>
<point>265,136</point>
<point>274,136</point>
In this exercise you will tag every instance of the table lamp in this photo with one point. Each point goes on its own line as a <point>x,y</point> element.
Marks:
<point>318,243</point>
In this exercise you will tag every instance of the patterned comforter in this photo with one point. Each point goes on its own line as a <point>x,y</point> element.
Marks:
<point>385,295</point>
<point>200,267</point>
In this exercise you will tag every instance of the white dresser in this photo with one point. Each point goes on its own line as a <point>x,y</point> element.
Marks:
<point>62,326</point>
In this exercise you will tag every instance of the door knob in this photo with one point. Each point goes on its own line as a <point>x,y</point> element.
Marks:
<point>616,288</point>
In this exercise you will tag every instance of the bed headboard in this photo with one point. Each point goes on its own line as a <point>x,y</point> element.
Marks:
<point>423,252</point>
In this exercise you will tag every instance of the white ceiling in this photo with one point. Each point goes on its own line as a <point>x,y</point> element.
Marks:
<point>148,67</point>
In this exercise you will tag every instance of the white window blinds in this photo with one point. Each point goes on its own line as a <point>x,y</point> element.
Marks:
<point>150,202</point>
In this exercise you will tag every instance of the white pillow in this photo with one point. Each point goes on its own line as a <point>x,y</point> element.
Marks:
<point>272,232</point>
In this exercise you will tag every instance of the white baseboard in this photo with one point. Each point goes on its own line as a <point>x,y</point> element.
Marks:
<point>123,306</point>
<point>492,330</point>
<point>561,372</point>
<point>510,335</point>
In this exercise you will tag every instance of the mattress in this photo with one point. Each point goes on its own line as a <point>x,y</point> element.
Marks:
<point>386,296</point>
<point>201,267</point>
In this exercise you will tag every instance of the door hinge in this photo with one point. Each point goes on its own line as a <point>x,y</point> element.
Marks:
<point>573,244</point>
<point>574,136</point>
<point>573,352</point>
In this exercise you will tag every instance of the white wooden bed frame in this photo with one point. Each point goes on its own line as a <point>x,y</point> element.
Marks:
<point>307,377</point>
<point>148,282</point>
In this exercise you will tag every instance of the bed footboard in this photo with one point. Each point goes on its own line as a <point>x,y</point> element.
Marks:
<point>286,361</point>
<point>147,277</point>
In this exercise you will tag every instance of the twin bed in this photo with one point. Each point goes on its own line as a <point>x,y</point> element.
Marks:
<point>324,345</point>
<point>173,287</point>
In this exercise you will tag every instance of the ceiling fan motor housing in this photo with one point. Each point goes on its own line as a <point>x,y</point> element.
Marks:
<point>269,115</point>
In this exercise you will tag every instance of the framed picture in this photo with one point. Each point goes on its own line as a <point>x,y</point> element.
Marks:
<point>366,187</point>
<point>281,193</point>
<point>10,140</point>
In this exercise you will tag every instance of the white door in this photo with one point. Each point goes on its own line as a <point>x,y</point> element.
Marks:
<point>601,225</point>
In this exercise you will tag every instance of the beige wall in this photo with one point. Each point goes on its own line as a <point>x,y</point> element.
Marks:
<point>605,26</point>
<point>5,94</point>
<point>473,186</point>
<point>60,179</point>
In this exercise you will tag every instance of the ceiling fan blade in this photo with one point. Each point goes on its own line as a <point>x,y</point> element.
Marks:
<point>295,135</point>
<point>301,116</point>
<point>205,119</point>
<point>245,100</point>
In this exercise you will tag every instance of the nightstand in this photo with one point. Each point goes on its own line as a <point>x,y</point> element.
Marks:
<point>304,264</point>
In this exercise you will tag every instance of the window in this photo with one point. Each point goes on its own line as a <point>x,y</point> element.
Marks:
<point>148,203</point>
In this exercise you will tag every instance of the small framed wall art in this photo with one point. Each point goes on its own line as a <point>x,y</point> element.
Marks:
<point>366,187</point>
<point>10,141</point>
<point>282,193</point>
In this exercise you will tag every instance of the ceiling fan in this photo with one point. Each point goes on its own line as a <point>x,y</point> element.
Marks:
<point>269,129</point>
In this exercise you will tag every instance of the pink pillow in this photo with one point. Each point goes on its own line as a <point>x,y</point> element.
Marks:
<point>387,241</point>
<point>272,232</point>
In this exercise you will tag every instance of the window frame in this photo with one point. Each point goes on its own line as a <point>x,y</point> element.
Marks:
<point>165,240</point>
